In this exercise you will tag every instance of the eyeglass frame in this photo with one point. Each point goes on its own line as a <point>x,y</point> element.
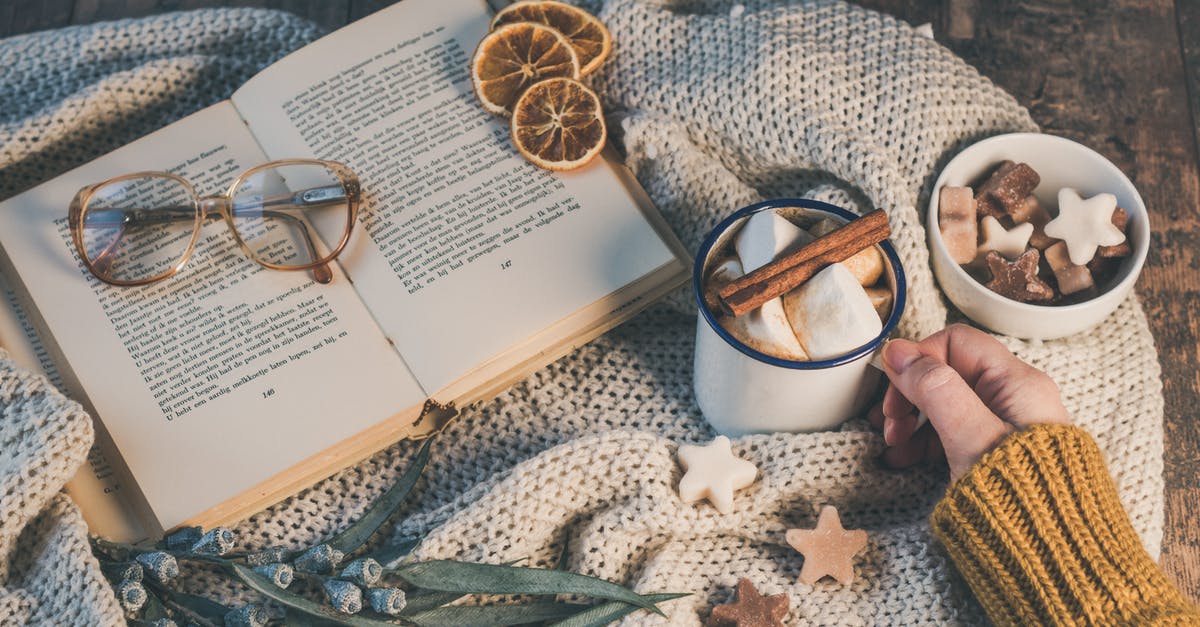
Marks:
<point>202,206</point>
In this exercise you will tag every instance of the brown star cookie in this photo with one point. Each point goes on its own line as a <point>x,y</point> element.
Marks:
<point>829,549</point>
<point>1018,280</point>
<point>751,609</point>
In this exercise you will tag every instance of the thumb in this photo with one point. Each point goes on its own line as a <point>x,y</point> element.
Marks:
<point>967,428</point>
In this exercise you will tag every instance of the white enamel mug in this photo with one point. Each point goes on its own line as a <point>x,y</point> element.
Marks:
<point>741,390</point>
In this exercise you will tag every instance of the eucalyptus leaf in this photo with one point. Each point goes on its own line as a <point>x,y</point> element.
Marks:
<point>428,601</point>
<point>471,578</point>
<point>388,554</point>
<point>356,535</point>
<point>204,607</point>
<point>605,613</point>
<point>485,615</point>
<point>301,604</point>
<point>153,610</point>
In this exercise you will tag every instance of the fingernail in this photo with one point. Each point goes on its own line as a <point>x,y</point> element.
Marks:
<point>889,431</point>
<point>900,354</point>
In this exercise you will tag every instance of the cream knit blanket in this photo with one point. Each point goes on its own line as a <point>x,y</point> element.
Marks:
<point>717,105</point>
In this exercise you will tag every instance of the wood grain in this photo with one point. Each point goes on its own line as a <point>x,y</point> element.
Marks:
<point>1121,76</point>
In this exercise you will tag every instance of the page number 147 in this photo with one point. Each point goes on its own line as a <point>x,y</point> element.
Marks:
<point>506,264</point>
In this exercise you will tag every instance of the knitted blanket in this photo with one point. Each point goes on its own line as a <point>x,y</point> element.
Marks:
<point>716,105</point>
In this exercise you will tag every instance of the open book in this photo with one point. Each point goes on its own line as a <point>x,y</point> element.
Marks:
<point>229,387</point>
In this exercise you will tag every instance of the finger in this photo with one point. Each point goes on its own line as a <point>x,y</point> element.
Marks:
<point>966,426</point>
<point>901,429</point>
<point>875,416</point>
<point>1015,391</point>
<point>909,453</point>
<point>894,403</point>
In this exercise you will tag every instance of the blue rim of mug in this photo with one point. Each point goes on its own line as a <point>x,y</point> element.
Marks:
<point>803,203</point>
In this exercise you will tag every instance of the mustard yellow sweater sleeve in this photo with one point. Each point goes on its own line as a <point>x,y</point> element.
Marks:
<point>1038,531</point>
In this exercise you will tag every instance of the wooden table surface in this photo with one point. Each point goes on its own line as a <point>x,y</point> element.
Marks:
<point>1121,76</point>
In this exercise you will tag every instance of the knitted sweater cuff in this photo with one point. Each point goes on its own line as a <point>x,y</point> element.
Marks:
<point>1037,530</point>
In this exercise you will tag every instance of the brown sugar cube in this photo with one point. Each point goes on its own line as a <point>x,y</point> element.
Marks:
<point>1032,211</point>
<point>1007,188</point>
<point>1119,219</point>
<point>957,223</point>
<point>1071,278</point>
<point>1018,279</point>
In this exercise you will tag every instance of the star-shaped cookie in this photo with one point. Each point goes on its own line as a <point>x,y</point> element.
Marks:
<point>1010,243</point>
<point>829,549</point>
<point>751,609</point>
<point>1084,225</point>
<point>1018,279</point>
<point>713,473</point>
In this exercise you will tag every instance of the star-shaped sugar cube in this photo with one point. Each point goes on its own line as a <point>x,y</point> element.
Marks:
<point>1009,243</point>
<point>751,609</point>
<point>713,473</point>
<point>829,549</point>
<point>1084,225</point>
<point>1018,279</point>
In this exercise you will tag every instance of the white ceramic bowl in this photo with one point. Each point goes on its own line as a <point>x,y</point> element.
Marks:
<point>1061,163</point>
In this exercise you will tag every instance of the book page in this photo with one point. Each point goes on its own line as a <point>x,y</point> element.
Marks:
<point>218,378</point>
<point>469,249</point>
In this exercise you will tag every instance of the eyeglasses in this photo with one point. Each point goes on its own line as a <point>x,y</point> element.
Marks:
<point>140,228</point>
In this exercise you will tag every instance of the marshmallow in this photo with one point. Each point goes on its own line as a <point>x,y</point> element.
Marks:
<point>956,221</point>
<point>831,314</point>
<point>866,265</point>
<point>881,300</point>
<point>1009,243</point>
<point>765,329</point>
<point>765,236</point>
<point>1085,225</point>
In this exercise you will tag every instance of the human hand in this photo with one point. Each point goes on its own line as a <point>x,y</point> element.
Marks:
<point>974,391</point>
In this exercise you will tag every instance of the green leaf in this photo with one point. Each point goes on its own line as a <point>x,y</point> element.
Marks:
<point>470,578</point>
<point>485,615</point>
<point>430,600</point>
<point>293,601</point>
<point>200,605</point>
<point>356,535</point>
<point>606,613</point>
<point>389,554</point>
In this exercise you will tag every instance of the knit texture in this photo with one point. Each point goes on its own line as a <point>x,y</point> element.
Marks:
<point>716,105</point>
<point>1038,531</point>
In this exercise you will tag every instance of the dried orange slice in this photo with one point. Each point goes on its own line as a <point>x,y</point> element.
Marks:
<point>587,35</point>
<point>515,56</point>
<point>558,124</point>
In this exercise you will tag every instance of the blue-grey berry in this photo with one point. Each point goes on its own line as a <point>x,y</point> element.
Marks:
<point>131,594</point>
<point>320,559</point>
<point>218,541</point>
<point>363,571</point>
<point>344,596</point>
<point>272,555</point>
<point>280,574</point>
<point>388,601</point>
<point>162,566</point>
<point>252,615</point>
<point>122,571</point>
<point>183,539</point>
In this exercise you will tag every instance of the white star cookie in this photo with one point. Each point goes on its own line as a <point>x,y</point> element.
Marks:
<point>1084,225</point>
<point>1008,243</point>
<point>713,473</point>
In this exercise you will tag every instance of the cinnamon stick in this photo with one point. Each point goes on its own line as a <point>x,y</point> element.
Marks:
<point>777,278</point>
